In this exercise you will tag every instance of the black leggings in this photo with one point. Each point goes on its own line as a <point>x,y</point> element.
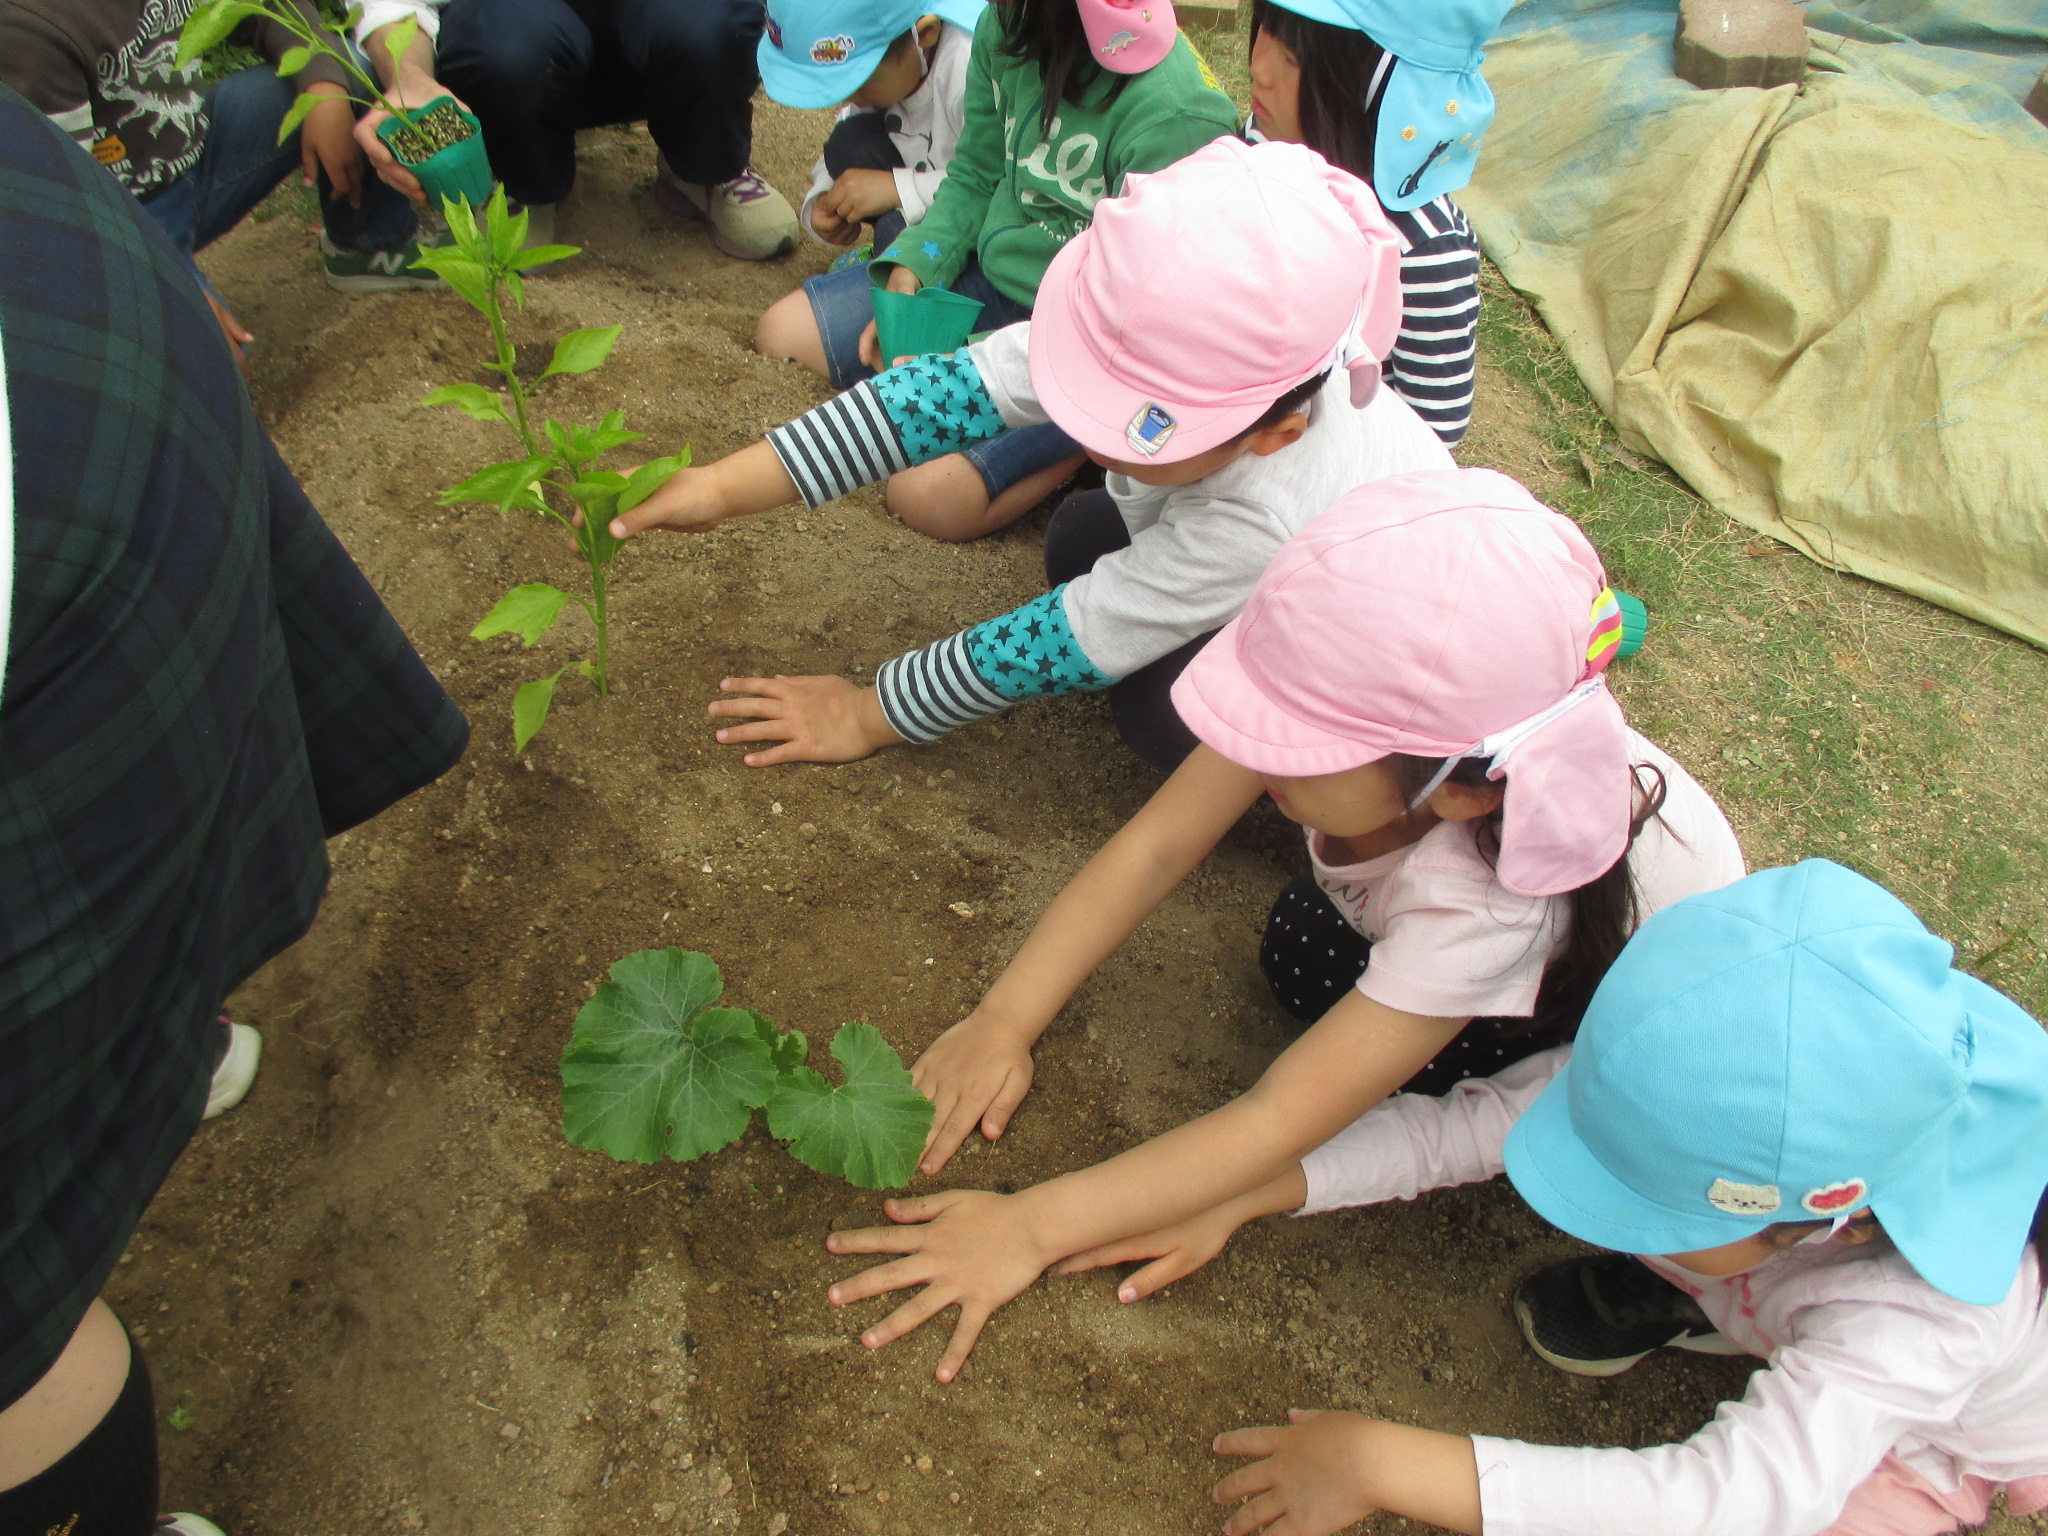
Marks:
<point>1086,527</point>
<point>106,1485</point>
<point>1312,957</point>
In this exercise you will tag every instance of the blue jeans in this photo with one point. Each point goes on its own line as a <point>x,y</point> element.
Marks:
<point>535,71</point>
<point>842,304</point>
<point>241,163</point>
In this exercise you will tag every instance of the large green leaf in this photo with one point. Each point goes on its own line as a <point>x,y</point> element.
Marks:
<point>541,255</point>
<point>466,275</point>
<point>209,25</point>
<point>870,1130</point>
<point>398,43</point>
<point>473,400</point>
<point>300,108</point>
<point>581,351</point>
<point>651,477</point>
<point>500,484</point>
<point>294,60</point>
<point>651,1067</point>
<point>527,611</point>
<point>530,707</point>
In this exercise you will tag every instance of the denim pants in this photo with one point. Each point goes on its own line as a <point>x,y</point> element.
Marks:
<point>241,163</point>
<point>535,71</point>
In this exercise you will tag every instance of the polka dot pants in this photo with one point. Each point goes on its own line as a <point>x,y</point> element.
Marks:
<point>1312,957</point>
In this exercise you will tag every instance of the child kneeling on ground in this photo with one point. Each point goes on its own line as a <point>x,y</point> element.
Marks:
<point>1825,1146</point>
<point>902,76</point>
<point>1417,680</point>
<point>1228,419</point>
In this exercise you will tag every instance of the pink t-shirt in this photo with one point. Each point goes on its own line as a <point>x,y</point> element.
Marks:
<point>1450,941</point>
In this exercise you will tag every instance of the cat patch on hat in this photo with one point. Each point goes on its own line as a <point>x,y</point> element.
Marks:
<point>1744,1199</point>
<point>1837,1199</point>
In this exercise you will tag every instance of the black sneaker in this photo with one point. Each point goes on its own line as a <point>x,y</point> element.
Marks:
<point>1599,1316</point>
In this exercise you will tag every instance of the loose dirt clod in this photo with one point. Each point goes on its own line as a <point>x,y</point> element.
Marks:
<point>1721,43</point>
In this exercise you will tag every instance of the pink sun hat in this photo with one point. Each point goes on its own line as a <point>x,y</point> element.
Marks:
<point>1443,614</point>
<point>1208,290</point>
<point>1128,36</point>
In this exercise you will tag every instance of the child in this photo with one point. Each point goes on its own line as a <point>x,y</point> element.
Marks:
<point>1394,95</point>
<point>1227,421</point>
<point>1825,1140</point>
<point>903,78</point>
<point>1052,127</point>
<point>1417,681</point>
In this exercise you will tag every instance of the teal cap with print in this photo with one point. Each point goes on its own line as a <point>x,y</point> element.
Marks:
<point>1435,106</point>
<point>816,53</point>
<point>1795,1047</point>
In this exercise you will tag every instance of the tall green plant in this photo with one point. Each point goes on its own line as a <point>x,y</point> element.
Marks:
<point>209,25</point>
<point>556,474</point>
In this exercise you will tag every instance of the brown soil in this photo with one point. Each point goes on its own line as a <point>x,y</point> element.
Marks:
<point>384,1294</point>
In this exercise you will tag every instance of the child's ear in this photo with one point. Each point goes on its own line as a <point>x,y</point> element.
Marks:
<point>1287,430</point>
<point>928,31</point>
<point>1465,802</point>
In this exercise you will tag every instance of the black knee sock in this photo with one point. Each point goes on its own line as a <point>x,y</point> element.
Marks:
<point>106,1485</point>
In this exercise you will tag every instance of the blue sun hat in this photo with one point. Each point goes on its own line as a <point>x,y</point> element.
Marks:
<point>1435,106</point>
<point>816,53</point>
<point>1795,1047</point>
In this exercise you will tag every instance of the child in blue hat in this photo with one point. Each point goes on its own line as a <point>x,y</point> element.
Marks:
<point>899,74</point>
<point>1392,92</point>
<point>1828,1147</point>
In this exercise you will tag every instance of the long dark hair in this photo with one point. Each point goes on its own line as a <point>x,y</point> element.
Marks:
<point>1604,911</point>
<point>1049,34</point>
<point>1337,68</point>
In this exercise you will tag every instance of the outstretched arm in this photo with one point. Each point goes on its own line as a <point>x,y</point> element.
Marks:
<point>1324,1471</point>
<point>980,1069</point>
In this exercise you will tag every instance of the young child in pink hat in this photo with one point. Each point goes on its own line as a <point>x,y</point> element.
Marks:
<point>1417,680</point>
<point>1227,418</point>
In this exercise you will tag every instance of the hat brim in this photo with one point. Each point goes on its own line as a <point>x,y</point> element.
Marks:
<point>811,86</point>
<point>1558,1175</point>
<point>1095,408</point>
<point>1218,700</point>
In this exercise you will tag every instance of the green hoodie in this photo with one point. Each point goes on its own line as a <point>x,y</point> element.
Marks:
<point>1013,196</point>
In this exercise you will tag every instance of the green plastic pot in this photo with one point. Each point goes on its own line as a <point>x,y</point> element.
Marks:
<point>459,171</point>
<point>929,320</point>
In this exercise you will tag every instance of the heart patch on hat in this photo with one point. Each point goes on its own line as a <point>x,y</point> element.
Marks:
<point>1837,1199</point>
<point>1743,1199</point>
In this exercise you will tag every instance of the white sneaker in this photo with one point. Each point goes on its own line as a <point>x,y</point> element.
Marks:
<point>749,219</point>
<point>540,223</point>
<point>231,1082</point>
<point>186,1525</point>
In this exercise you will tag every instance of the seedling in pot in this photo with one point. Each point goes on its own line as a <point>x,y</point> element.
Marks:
<point>652,1068</point>
<point>556,474</point>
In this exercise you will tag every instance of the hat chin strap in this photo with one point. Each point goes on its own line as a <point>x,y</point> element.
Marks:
<point>1355,358</point>
<point>1501,745</point>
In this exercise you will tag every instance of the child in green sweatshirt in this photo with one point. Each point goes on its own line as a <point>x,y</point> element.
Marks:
<point>1049,133</point>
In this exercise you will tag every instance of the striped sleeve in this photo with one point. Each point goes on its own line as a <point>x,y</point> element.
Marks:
<point>840,446</point>
<point>1027,653</point>
<point>1434,356</point>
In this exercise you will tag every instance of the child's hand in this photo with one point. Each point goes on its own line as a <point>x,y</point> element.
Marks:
<point>1176,1251</point>
<point>831,228</point>
<point>327,141</point>
<point>977,1070</point>
<point>689,501</point>
<point>817,719</point>
<point>859,195</point>
<point>901,280</point>
<point>231,328</point>
<point>1313,1479</point>
<point>964,1247</point>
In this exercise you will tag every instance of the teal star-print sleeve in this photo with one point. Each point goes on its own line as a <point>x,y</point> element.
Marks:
<point>922,410</point>
<point>1028,653</point>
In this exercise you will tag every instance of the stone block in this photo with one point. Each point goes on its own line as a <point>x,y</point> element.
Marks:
<point>1221,17</point>
<point>2037,100</point>
<point>1740,42</point>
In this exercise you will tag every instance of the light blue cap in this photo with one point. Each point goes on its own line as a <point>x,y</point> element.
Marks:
<point>816,53</point>
<point>1435,107</point>
<point>1794,1047</point>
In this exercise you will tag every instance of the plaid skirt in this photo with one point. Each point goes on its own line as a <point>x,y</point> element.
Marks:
<point>199,688</point>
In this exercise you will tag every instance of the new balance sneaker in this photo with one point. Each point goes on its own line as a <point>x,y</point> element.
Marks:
<point>749,219</point>
<point>374,271</point>
<point>235,1072</point>
<point>186,1525</point>
<point>1598,1316</point>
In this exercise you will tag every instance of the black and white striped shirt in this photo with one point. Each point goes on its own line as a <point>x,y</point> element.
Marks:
<point>1436,353</point>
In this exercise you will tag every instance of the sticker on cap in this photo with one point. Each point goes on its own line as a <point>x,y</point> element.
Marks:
<point>832,50</point>
<point>1837,1199</point>
<point>1743,1199</point>
<point>1150,429</point>
<point>1119,42</point>
<point>774,30</point>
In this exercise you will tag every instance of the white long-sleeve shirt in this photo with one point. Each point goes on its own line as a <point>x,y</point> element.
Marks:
<point>382,13</point>
<point>925,127</point>
<point>1866,1359</point>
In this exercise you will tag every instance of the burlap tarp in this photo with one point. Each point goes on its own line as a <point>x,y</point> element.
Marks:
<point>1826,305</point>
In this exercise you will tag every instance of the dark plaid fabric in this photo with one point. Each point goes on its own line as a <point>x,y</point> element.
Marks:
<point>200,688</point>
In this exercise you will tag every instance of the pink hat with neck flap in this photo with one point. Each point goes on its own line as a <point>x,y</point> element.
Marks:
<point>1444,614</point>
<point>1208,290</point>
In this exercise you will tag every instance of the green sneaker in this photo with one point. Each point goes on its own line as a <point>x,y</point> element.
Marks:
<point>374,271</point>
